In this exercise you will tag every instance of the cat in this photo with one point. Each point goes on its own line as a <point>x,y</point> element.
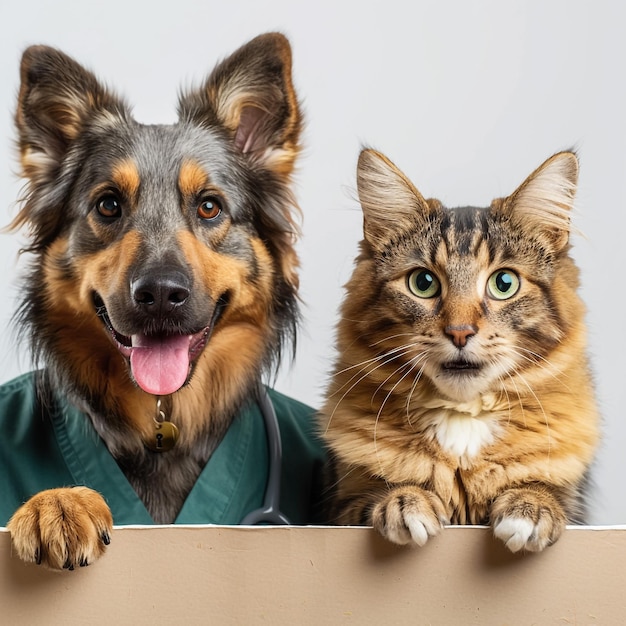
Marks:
<point>462,391</point>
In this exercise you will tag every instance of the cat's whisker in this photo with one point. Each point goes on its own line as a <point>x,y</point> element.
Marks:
<point>519,398</point>
<point>537,356</point>
<point>356,339</point>
<point>497,361</point>
<point>412,363</point>
<point>373,359</point>
<point>543,412</point>
<point>407,364</point>
<point>389,357</point>
<point>364,376</point>
<point>520,376</point>
<point>385,339</point>
<point>535,359</point>
<point>416,380</point>
<point>331,486</point>
<point>543,363</point>
<point>504,390</point>
<point>382,406</point>
<point>419,358</point>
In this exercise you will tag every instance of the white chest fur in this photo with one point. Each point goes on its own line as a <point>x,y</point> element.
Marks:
<point>462,430</point>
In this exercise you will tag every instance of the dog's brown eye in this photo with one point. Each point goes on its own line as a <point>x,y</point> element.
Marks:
<point>109,206</point>
<point>209,209</point>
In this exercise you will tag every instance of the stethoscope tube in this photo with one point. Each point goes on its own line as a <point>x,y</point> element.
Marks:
<point>269,513</point>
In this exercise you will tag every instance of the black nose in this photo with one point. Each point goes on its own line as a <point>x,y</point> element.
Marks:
<point>159,292</point>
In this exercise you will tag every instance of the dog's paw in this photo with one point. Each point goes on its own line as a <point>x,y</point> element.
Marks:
<point>527,519</point>
<point>62,528</point>
<point>409,514</point>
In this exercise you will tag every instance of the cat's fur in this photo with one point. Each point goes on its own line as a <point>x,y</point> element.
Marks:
<point>462,407</point>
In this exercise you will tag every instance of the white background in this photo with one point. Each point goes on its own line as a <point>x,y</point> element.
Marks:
<point>466,97</point>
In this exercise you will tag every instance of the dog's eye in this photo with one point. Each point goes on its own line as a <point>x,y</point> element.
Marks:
<point>209,208</point>
<point>109,206</point>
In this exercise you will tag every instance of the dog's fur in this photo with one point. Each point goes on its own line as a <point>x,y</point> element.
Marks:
<point>152,232</point>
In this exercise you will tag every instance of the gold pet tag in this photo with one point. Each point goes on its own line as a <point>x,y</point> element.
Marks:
<point>165,437</point>
<point>165,433</point>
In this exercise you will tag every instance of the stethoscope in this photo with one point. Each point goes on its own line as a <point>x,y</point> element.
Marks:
<point>269,513</point>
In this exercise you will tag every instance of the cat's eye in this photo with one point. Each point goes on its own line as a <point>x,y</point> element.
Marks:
<point>503,284</point>
<point>423,284</point>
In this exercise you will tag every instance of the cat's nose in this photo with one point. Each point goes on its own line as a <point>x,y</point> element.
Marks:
<point>460,334</point>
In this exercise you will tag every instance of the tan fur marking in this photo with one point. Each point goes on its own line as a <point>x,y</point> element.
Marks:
<point>217,273</point>
<point>106,271</point>
<point>125,176</point>
<point>192,178</point>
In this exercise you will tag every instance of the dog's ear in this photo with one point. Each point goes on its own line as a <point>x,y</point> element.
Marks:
<point>57,98</point>
<point>251,94</point>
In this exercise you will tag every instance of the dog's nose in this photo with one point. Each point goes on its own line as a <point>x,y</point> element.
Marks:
<point>160,293</point>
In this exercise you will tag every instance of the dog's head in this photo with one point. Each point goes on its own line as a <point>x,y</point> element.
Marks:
<point>160,241</point>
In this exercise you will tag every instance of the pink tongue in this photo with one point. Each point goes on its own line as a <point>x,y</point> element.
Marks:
<point>160,365</point>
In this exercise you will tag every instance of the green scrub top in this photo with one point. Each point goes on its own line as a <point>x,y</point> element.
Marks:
<point>59,447</point>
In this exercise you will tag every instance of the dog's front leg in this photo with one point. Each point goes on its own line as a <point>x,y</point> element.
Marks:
<point>62,528</point>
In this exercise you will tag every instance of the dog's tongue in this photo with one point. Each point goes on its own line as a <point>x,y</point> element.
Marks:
<point>160,365</point>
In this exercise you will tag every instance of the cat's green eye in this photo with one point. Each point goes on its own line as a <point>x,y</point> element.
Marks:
<point>423,284</point>
<point>503,284</point>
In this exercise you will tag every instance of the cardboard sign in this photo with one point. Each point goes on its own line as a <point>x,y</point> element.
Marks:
<point>292,575</point>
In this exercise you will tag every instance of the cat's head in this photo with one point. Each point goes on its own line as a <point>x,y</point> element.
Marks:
<point>466,298</point>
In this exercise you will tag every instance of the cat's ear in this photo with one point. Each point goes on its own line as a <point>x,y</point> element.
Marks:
<point>543,202</point>
<point>251,95</point>
<point>389,200</point>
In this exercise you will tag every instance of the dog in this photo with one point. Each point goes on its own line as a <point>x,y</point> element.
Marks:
<point>162,288</point>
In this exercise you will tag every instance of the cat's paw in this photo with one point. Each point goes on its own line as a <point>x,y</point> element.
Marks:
<point>409,514</point>
<point>62,528</point>
<point>527,519</point>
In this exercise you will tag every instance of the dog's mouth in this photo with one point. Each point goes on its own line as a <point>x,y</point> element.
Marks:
<point>161,362</point>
